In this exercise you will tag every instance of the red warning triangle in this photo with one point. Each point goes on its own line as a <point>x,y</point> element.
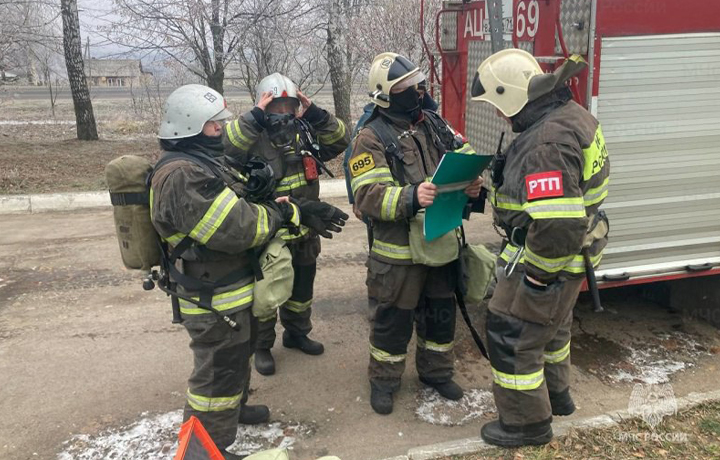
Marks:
<point>196,443</point>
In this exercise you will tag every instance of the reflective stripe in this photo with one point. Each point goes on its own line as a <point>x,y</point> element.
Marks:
<point>467,149</point>
<point>236,136</point>
<point>221,302</point>
<point>285,234</point>
<point>554,357</point>
<point>334,136</point>
<point>214,216</point>
<point>390,203</point>
<point>298,307</point>
<point>572,264</point>
<point>175,239</point>
<point>374,176</point>
<point>262,229</point>
<point>434,346</point>
<point>205,404</point>
<point>595,155</point>
<point>597,194</point>
<point>519,381</point>
<point>391,251</point>
<point>295,219</point>
<point>384,356</point>
<point>291,182</point>
<point>553,208</point>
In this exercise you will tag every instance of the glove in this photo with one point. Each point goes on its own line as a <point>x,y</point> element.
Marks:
<point>321,217</point>
<point>290,216</point>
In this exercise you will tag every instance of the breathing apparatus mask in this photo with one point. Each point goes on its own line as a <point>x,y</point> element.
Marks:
<point>406,103</point>
<point>281,128</point>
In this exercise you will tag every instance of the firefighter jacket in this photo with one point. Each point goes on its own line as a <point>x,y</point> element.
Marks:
<point>187,200</point>
<point>246,137</point>
<point>384,184</point>
<point>555,178</point>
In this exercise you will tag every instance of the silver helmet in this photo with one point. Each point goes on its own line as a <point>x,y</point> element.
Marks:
<point>280,85</point>
<point>188,108</point>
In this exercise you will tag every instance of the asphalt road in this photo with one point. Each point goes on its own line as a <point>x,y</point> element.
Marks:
<point>84,349</point>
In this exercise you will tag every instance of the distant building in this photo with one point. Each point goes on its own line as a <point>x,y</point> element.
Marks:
<point>115,72</point>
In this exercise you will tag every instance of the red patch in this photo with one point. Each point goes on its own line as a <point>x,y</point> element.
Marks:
<point>284,94</point>
<point>544,185</point>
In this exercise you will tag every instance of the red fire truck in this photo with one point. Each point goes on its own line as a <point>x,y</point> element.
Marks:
<point>653,82</point>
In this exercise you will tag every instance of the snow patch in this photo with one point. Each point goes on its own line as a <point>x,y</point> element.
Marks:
<point>436,410</point>
<point>154,437</point>
<point>35,122</point>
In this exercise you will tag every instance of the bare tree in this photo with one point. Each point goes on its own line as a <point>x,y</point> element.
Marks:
<point>84,116</point>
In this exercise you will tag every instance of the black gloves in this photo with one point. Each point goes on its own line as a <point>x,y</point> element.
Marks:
<point>321,217</point>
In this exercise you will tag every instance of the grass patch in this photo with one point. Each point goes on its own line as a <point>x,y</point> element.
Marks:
<point>692,434</point>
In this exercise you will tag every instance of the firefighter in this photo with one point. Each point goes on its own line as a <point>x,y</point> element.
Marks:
<point>283,124</point>
<point>196,208</point>
<point>546,192</point>
<point>399,147</point>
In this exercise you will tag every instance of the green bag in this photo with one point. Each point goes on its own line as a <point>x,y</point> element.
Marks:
<point>479,264</point>
<point>435,253</point>
<point>278,454</point>
<point>276,286</point>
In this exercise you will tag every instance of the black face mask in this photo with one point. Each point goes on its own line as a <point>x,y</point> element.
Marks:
<point>281,128</point>
<point>406,103</point>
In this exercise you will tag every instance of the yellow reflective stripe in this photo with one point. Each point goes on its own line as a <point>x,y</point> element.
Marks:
<point>391,251</point>
<point>262,229</point>
<point>151,202</point>
<point>390,202</point>
<point>510,251</point>
<point>467,149</point>
<point>374,176</point>
<point>221,302</point>
<point>518,381</point>
<point>384,356</point>
<point>291,182</point>
<point>175,239</point>
<point>553,208</point>
<point>236,136</point>
<point>334,136</point>
<point>595,155</point>
<point>434,346</point>
<point>295,219</point>
<point>554,357</point>
<point>285,234</point>
<point>597,194</point>
<point>205,404</point>
<point>571,264</point>
<point>214,216</point>
<point>298,307</point>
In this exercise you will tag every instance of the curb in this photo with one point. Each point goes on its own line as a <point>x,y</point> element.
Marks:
<point>48,202</point>
<point>476,445</point>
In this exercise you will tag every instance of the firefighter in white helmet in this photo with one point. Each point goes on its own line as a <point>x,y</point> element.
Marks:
<point>211,231</point>
<point>293,135</point>
<point>546,192</point>
<point>399,147</point>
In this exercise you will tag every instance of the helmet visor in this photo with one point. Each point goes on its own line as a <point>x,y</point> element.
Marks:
<point>477,89</point>
<point>412,80</point>
<point>224,114</point>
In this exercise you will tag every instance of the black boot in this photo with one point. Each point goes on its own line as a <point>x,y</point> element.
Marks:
<point>448,390</point>
<point>302,343</point>
<point>498,434</point>
<point>252,415</point>
<point>562,403</point>
<point>381,400</point>
<point>231,456</point>
<point>264,361</point>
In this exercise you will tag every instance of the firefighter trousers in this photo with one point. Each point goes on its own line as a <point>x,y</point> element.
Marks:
<point>528,334</point>
<point>407,296</point>
<point>296,312</point>
<point>218,385</point>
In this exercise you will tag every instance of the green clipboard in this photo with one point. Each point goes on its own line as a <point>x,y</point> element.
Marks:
<point>454,173</point>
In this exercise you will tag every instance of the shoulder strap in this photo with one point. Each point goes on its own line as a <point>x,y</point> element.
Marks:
<point>442,130</point>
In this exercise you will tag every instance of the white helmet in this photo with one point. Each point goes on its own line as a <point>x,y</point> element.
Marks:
<point>503,80</point>
<point>388,71</point>
<point>280,85</point>
<point>188,108</point>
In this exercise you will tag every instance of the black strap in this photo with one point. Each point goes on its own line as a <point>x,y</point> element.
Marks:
<point>442,131</point>
<point>130,198</point>
<point>473,331</point>
<point>393,152</point>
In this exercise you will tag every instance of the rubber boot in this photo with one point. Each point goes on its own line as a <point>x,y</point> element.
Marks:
<point>562,403</point>
<point>381,400</point>
<point>498,434</point>
<point>302,343</point>
<point>448,390</point>
<point>252,415</point>
<point>264,361</point>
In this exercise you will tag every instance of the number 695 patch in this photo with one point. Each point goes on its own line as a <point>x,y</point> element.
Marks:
<point>361,163</point>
